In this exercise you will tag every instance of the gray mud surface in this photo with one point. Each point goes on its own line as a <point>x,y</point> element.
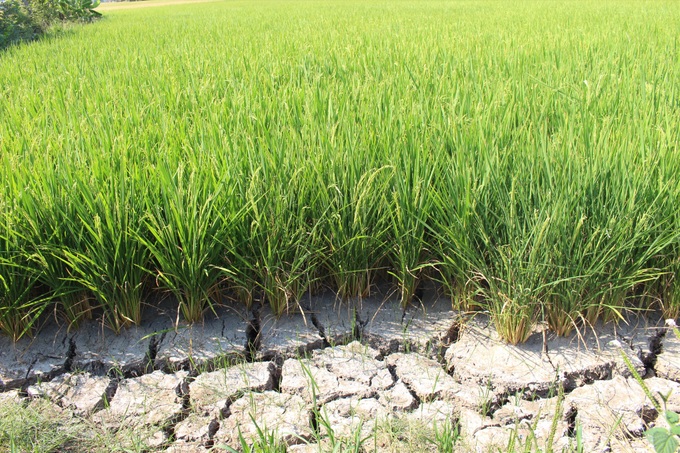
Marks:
<point>351,366</point>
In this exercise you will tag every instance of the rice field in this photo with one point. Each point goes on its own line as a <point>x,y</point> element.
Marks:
<point>524,155</point>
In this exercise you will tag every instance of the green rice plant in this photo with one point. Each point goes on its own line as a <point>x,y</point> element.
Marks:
<point>21,304</point>
<point>610,241</point>
<point>47,209</point>
<point>111,260</point>
<point>273,248</point>
<point>495,247</point>
<point>515,285</point>
<point>355,229</point>
<point>667,293</point>
<point>670,298</point>
<point>184,227</point>
<point>453,219</point>
<point>525,157</point>
<point>579,282</point>
<point>409,216</point>
<point>20,308</point>
<point>549,245</point>
<point>635,236</point>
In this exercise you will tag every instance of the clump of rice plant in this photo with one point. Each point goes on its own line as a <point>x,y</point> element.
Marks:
<point>48,209</point>
<point>355,229</point>
<point>110,260</point>
<point>273,248</point>
<point>409,212</point>
<point>19,308</point>
<point>20,303</point>
<point>184,227</point>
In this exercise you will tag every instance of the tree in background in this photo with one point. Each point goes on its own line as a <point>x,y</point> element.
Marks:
<point>28,20</point>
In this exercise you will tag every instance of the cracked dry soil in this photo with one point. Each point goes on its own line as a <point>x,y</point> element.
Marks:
<point>198,387</point>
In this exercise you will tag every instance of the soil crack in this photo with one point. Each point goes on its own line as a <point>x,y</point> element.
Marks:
<point>70,355</point>
<point>322,331</point>
<point>655,344</point>
<point>359,326</point>
<point>253,334</point>
<point>152,352</point>
<point>182,392</point>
